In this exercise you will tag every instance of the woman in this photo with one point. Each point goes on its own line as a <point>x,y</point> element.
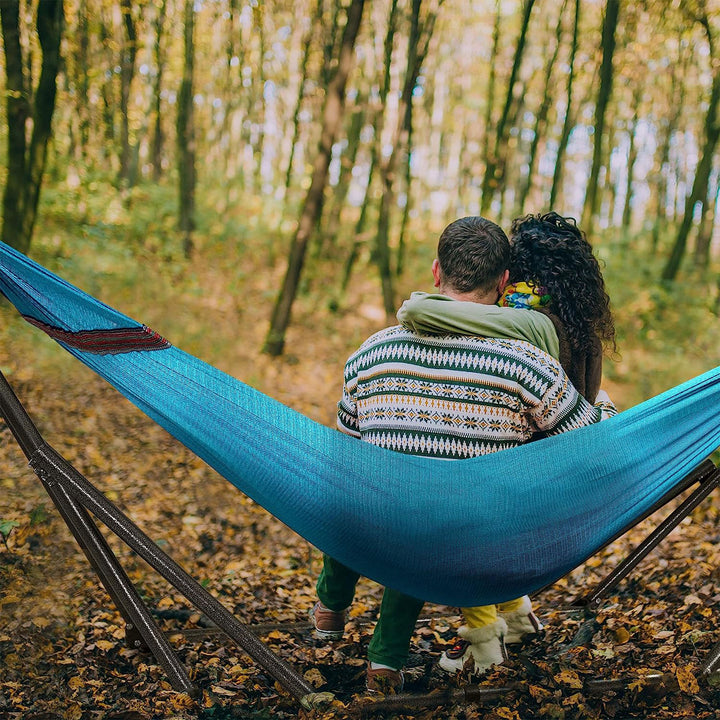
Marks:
<point>552,271</point>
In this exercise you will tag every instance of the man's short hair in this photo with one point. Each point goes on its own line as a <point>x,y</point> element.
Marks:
<point>473,253</point>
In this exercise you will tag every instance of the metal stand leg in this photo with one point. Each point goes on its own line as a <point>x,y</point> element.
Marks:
<point>74,496</point>
<point>712,662</point>
<point>60,498</point>
<point>47,462</point>
<point>118,584</point>
<point>594,597</point>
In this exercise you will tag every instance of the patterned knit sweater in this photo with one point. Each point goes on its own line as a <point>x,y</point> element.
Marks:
<point>454,397</point>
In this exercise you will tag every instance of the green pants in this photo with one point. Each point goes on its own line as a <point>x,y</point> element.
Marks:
<point>390,643</point>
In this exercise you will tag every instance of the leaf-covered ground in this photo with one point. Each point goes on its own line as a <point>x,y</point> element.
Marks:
<point>62,649</point>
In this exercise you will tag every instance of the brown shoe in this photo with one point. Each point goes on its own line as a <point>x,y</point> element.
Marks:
<point>328,624</point>
<point>384,680</point>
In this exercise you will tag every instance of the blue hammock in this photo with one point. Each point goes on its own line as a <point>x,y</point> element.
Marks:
<point>465,532</point>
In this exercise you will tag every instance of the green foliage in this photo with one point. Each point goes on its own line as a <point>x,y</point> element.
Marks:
<point>666,332</point>
<point>38,515</point>
<point>6,527</point>
<point>123,247</point>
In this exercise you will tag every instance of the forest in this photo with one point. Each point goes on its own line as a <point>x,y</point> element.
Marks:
<point>263,183</point>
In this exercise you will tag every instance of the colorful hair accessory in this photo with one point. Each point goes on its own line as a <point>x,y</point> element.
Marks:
<point>524,295</point>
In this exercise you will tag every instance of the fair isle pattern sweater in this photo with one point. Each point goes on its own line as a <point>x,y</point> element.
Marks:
<point>454,397</point>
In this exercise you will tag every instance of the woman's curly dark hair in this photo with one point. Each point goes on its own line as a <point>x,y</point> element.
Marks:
<point>551,251</point>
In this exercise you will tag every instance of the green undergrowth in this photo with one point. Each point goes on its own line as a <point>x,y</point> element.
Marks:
<point>666,332</point>
<point>123,248</point>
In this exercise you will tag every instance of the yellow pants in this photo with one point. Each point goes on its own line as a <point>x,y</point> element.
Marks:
<point>483,615</point>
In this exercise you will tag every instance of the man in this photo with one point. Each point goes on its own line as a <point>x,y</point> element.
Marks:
<point>485,395</point>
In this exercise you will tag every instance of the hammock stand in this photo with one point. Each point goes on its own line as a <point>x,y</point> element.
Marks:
<point>75,498</point>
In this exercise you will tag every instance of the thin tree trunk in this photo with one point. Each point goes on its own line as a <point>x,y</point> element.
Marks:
<point>387,169</point>
<point>26,164</point>
<point>508,189</point>
<point>231,161</point>
<point>347,163</point>
<point>495,165</point>
<point>632,158</point>
<point>186,136</point>
<point>259,16</point>
<point>375,149</point>
<point>400,265</point>
<point>108,94</point>
<point>307,43</point>
<point>127,72</point>
<point>312,208</point>
<point>418,44</point>
<point>83,79</point>
<point>18,111</point>
<point>698,194</point>
<point>490,100</point>
<point>592,196</point>
<point>542,114</point>
<point>329,50</point>
<point>465,174</point>
<point>607,186</point>
<point>701,258</point>
<point>569,115</point>
<point>158,137</point>
<point>677,102</point>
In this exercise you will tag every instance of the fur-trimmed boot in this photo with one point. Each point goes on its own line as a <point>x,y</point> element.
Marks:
<point>484,645</point>
<point>521,622</point>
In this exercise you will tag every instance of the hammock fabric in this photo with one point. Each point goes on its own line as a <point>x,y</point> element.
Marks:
<point>463,532</point>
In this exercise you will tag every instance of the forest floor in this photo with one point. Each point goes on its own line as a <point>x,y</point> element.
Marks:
<point>62,646</point>
<point>62,643</point>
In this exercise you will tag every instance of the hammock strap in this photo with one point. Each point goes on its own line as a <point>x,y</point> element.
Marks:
<point>113,341</point>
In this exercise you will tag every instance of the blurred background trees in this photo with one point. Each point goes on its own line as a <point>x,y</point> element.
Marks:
<point>343,150</point>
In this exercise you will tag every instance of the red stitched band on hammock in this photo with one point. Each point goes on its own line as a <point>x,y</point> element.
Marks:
<point>105,342</point>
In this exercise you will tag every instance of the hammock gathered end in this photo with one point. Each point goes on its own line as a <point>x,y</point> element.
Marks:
<point>462,533</point>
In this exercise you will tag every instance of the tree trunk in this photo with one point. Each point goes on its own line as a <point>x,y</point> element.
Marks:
<point>542,114</point>
<point>698,194</point>
<point>490,101</point>
<point>375,149</point>
<point>701,258</point>
<point>26,164</point>
<point>494,168</point>
<point>108,94</point>
<point>312,207</point>
<point>400,265</point>
<point>158,137</point>
<point>260,112</point>
<point>632,157</point>
<point>606,79</point>
<point>127,72</point>
<point>329,49</point>
<point>418,44</point>
<point>677,102</point>
<point>568,120</point>
<point>307,43</point>
<point>507,157</point>
<point>18,112</point>
<point>83,78</point>
<point>347,163</point>
<point>186,135</point>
